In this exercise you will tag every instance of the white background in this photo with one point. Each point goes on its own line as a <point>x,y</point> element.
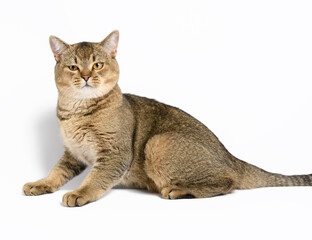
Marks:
<point>241,67</point>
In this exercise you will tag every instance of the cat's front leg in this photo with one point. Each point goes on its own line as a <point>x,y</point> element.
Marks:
<point>63,171</point>
<point>106,173</point>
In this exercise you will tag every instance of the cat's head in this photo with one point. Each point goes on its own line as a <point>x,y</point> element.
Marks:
<point>86,70</point>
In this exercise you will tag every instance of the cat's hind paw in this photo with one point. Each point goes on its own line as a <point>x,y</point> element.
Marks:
<point>175,192</point>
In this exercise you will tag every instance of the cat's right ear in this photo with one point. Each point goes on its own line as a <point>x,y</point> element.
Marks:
<point>58,47</point>
<point>110,43</point>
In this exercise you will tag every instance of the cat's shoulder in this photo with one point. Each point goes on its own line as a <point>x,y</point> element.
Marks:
<point>145,104</point>
<point>138,99</point>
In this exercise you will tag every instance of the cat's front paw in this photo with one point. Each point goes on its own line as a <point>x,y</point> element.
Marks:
<point>75,199</point>
<point>38,188</point>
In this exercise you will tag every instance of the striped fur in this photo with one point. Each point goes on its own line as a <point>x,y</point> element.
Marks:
<point>135,141</point>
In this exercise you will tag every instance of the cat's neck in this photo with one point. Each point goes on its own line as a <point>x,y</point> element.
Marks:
<point>68,106</point>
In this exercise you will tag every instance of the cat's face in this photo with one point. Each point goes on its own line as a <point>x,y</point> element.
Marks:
<point>86,70</point>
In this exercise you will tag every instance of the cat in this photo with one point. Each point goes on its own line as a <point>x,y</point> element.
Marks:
<point>135,141</point>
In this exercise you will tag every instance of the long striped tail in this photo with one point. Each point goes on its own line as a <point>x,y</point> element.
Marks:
<point>251,176</point>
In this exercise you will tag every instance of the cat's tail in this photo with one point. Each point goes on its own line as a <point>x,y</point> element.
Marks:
<point>251,176</point>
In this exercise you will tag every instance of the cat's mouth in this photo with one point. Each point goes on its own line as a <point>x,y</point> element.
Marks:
<point>87,85</point>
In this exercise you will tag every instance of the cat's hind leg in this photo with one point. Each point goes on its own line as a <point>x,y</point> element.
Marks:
<point>200,191</point>
<point>184,168</point>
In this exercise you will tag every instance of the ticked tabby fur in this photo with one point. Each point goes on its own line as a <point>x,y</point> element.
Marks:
<point>135,141</point>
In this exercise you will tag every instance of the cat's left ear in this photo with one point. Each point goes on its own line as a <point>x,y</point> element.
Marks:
<point>110,43</point>
<point>58,47</point>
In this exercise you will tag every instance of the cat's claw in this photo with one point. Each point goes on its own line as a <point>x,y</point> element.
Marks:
<point>74,199</point>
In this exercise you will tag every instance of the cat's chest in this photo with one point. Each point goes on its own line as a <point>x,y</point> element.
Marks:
<point>80,139</point>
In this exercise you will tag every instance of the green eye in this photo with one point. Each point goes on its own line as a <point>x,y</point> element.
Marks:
<point>73,68</point>
<point>98,66</point>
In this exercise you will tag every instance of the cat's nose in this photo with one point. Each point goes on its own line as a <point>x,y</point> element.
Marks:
<point>86,77</point>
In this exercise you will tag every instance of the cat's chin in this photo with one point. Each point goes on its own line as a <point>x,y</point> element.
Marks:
<point>89,92</point>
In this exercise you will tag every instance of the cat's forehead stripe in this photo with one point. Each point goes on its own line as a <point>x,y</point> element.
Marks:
<point>84,50</point>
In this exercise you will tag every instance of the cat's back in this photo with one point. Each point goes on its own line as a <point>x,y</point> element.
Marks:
<point>146,108</point>
<point>155,117</point>
<point>156,113</point>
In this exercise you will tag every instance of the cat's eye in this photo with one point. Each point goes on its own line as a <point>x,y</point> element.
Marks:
<point>98,66</point>
<point>73,68</point>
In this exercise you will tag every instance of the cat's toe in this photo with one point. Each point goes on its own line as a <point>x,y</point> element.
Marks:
<point>74,199</point>
<point>175,192</point>
<point>37,188</point>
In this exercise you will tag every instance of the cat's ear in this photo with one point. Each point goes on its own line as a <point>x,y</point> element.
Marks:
<point>110,43</point>
<point>58,47</point>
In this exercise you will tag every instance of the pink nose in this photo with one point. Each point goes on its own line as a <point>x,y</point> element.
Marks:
<point>86,77</point>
